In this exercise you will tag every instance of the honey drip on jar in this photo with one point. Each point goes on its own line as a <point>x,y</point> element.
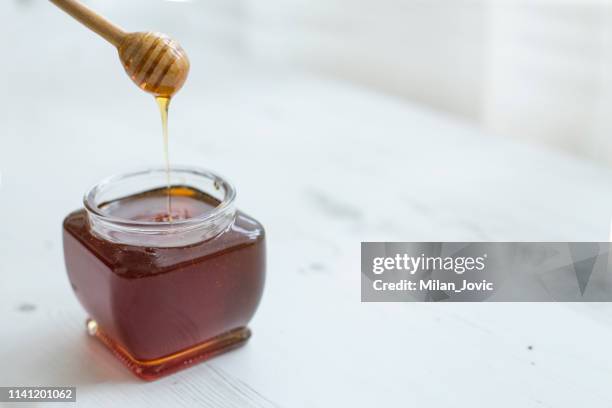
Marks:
<point>164,103</point>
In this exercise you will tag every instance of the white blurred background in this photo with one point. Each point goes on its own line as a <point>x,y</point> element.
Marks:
<point>538,70</point>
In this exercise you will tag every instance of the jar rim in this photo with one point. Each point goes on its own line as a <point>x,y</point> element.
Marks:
<point>226,204</point>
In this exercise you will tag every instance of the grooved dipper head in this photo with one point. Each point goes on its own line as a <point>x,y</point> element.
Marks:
<point>155,62</point>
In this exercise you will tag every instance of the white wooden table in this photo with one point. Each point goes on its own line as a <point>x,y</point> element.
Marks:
<point>323,166</point>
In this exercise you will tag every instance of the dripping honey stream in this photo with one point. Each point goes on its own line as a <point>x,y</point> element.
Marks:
<point>163,102</point>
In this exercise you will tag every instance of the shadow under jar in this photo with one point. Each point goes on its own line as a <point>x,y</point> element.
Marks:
<point>165,292</point>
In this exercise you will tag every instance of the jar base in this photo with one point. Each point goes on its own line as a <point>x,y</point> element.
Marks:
<point>150,370</point>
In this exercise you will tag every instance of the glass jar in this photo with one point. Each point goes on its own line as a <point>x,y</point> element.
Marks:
<point>163,294</point>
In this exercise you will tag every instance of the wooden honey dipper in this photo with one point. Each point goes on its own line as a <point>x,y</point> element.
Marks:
<point>155,62</point>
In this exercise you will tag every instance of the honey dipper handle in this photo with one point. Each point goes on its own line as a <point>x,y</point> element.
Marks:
<point>92,20</point>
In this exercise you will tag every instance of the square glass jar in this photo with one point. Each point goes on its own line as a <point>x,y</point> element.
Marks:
<point>165,294</point>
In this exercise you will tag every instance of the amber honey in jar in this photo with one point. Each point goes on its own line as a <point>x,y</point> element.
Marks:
<point>170,276</point>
